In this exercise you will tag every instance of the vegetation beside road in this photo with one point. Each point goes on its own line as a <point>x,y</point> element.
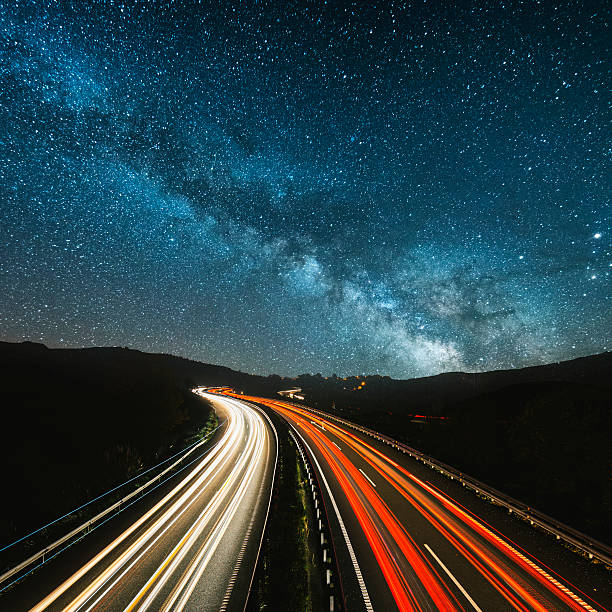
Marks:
<point>77,423</point>
<point>287,577</point>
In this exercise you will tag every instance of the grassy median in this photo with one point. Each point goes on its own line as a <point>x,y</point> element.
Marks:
<point>287,577</point>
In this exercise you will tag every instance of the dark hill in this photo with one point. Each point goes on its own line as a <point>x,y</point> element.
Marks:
<point>540,433</point>
<point>445,393</point>
<point>34,358</point>
<point>77,422</point>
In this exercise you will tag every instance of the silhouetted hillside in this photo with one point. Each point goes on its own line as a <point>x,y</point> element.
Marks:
<point>444,393</point>
<point>541,434</point>
<point>194,373</point>
<point>76,422</point>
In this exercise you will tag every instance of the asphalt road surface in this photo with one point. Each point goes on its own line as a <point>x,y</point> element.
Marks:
<point>404,543</point>
<point>195,548</point>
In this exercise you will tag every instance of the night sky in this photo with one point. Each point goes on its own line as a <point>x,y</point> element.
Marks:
<point>394,188</point>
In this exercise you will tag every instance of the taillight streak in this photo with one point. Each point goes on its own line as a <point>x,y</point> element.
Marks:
<point>423,505</point>
<point>397,582</point>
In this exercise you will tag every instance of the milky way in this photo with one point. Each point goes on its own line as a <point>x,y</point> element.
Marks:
<point>394,188</point>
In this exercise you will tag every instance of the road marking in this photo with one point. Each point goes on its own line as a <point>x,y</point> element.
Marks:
<point>505,544</point>
<point>362,586</point>
<point>230,586</point>
<point>336,445</point>
<point>433,554</point>
<point>369,479</point>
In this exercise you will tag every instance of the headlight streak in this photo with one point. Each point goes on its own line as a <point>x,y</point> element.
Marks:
<point>197,566</point>
<point>185,451</point>
<point>459,528</point>
<point>173,512</point>
<point>171,508</point>
<point>151,543</point>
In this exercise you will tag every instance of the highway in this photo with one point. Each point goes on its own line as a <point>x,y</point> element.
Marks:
<point>196,547</point>
<point>403,543</point>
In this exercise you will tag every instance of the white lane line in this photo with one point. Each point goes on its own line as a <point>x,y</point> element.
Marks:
<point>336,445</point>
<point>448,572</point>
<point>362,586</point>
<point>510,549</point>
<point>369,479</point>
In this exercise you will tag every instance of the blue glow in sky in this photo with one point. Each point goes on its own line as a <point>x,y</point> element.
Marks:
<point>401,188</point>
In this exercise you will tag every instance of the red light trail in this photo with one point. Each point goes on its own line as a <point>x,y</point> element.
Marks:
<point>523,583</point>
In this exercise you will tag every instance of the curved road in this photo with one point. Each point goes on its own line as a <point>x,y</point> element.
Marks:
<point>196,548</point>
<point>403,543</point>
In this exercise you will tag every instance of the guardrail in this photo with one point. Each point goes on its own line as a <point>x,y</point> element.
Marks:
<point>43,555</point>
<point>591,548</point>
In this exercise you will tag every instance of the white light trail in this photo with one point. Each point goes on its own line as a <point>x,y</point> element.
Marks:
<point>186,495</point>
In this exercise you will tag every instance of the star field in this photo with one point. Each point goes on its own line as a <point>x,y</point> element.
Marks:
<point>396,188</point>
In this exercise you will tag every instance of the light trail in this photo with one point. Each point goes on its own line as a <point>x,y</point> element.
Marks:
<point>368,511</point>
<point>521,581</point>
<point>249,459</point>
<point>455,581</point>
<point>362,586</point>
<point>123,566</point>
<point>370,454</point>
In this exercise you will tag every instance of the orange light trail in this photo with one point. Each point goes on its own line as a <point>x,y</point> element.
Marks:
<point>555,587</point>
<point>461,529</point>
<point>345,472</point>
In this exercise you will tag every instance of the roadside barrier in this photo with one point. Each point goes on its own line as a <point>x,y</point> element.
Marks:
<point>332,584</point>
<point>48,552</point>
<point>584,544</point>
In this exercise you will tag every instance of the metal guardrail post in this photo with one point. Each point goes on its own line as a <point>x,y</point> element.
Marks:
<point>330,558</point>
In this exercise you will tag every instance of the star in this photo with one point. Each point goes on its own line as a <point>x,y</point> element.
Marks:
<point>313,191</point>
